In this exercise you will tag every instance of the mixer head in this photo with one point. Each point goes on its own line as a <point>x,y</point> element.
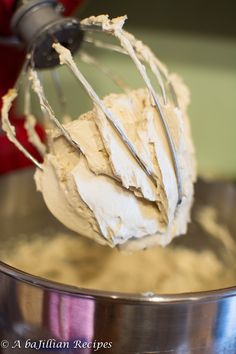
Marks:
<point>39,24</point>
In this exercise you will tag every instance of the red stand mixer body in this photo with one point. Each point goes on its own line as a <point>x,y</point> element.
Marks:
<point>11,61</point>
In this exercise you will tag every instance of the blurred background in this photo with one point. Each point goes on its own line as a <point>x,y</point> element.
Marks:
<point>196,39</point>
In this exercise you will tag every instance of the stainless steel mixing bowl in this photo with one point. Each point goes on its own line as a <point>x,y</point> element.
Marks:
<point>34,309</point>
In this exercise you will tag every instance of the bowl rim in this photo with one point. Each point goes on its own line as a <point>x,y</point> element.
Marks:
<point>146,298</point>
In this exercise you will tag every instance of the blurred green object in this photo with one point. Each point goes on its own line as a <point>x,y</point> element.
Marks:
<point>207,65</point>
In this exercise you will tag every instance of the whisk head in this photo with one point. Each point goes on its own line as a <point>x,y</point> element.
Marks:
<point>141,56</point>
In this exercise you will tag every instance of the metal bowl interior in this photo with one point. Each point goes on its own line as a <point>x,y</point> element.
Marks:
<point>23,212</point>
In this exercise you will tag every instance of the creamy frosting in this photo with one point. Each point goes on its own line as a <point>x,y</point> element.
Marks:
<point>103,193</point>
<point>9,129</point>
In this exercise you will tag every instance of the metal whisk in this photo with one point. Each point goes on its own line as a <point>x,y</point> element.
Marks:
<point>51,47</point>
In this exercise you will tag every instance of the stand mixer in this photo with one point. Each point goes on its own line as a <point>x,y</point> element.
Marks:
<point>21,23</point>
<point>35,308</point>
